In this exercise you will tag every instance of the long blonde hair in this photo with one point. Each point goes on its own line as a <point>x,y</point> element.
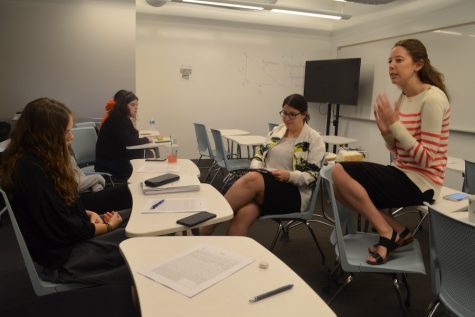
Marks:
<point>41,132</point>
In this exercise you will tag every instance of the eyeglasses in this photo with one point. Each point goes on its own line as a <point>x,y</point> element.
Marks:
<point>290,115</point>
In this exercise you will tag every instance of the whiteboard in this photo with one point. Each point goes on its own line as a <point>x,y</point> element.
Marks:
<point>451,50</point>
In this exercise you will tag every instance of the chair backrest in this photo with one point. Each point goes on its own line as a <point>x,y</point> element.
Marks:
<point>204,147</point>
<point>469,178</point>
<point>220,156</point>
<point>272,125</point>
<point>40,286</point>
<point>86,124</point>
<point>84,145</point>
<point>453,262</point>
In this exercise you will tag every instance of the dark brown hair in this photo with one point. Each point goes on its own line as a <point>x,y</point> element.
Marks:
<point>298,102</point>
<point>41,132</point>
<point>427,74</point>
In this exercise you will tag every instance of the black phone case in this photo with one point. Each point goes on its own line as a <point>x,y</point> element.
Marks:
<point>161,180</point>
<point>195,219</point>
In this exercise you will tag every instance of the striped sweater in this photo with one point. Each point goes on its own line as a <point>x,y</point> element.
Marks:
<point>420,138</point>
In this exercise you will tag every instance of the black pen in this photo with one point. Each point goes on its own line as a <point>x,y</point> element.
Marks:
<point>271,293</point>
<point>157,204</point>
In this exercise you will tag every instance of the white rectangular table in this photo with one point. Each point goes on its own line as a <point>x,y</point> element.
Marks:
<point>455,209</point>
<point>147,224</point>
<point>229,132</point>
<point>184,166</point>
<point>141,224</point>
<point>456,164</point>
<point>249,141</point>
<point>337,140</point>
<point>230,297</point>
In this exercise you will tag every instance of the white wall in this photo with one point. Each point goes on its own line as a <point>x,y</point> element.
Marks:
<point>79,52</point>
<point>240,74</point>
<point>461,144</point>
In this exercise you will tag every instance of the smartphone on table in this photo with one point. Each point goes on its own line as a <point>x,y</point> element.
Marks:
<point>456,196</point>
<point>195,219</point>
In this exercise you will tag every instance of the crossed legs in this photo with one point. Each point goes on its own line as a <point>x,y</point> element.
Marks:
<point>351,193</point>
<point>245,197</point>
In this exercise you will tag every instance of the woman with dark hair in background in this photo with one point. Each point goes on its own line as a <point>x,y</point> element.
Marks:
<point>71,244</point>
<point>116,134</point>
<point>291,157</point>
<point>416,131</point>
<point>111,103</point>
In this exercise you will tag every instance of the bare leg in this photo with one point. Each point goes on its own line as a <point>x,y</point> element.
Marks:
<point>243,219</point>
<point>248,190</point>
<point>245,197</point>
<point>351,193</point>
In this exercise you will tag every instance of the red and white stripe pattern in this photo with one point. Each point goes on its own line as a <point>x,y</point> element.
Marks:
<point>428,155</point>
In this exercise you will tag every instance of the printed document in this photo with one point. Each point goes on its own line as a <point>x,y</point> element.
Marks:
<point>194,271</point>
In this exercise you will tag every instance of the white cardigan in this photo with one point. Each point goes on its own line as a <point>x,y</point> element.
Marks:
<point>309,150</point>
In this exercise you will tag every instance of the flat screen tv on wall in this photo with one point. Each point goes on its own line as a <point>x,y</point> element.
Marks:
<point>334,81</point>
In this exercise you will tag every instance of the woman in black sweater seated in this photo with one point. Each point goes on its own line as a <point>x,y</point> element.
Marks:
<point>70,243</point>
<point>118,132</point>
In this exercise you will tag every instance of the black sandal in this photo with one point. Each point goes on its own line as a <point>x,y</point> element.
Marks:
<point>390,246</point>
<point>402,241</point>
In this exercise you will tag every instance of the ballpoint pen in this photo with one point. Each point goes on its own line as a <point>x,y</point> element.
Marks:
<point>157,204</point>
<point>271,293</point>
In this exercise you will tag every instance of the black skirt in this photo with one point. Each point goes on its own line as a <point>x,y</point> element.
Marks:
<point>387,186</point>
<point>279,197</point>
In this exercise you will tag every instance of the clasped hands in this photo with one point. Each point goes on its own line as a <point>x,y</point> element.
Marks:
<point>111,217</point>
<point>385,114</point>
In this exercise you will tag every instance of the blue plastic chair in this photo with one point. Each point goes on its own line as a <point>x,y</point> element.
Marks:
<point>452,261</point>
<point>233,166</point>
<point>40,286</point>
<point>352,249</point>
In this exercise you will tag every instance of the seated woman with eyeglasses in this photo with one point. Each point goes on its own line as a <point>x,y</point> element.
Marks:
<point>292,154</point>
<point>115,135</point>
<point>73,245</point>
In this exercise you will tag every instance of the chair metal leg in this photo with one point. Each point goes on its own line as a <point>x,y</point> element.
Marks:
<point>408,290</point>
<point>210,169</point>
<point>316,242</point>
<point>397,287</point>
<point>433,307</point>
<point>347,282</point>
<point>274,241</point>
<point>216,174</point>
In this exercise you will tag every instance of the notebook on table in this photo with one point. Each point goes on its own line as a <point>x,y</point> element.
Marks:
<point>185,183</point>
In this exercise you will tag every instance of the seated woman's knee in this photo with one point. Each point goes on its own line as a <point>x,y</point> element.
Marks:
<point>251,178</point>
<point>337,173</point>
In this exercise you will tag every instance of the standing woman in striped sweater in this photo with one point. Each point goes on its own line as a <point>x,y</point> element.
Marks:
<point>416,131</point>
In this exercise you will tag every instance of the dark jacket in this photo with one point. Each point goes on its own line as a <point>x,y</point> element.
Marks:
<point>112,156</point>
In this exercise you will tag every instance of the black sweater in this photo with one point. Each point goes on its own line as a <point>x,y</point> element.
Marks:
<point>116,133</point>
<point>50,228</point>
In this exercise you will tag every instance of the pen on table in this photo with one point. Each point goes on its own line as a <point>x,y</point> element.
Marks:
<point>157,204</point>
<point>271,293</point>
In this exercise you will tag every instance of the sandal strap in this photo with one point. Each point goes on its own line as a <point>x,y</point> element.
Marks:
<point>389,244</point>
<point>404,233</point>
<point>378,259</point>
